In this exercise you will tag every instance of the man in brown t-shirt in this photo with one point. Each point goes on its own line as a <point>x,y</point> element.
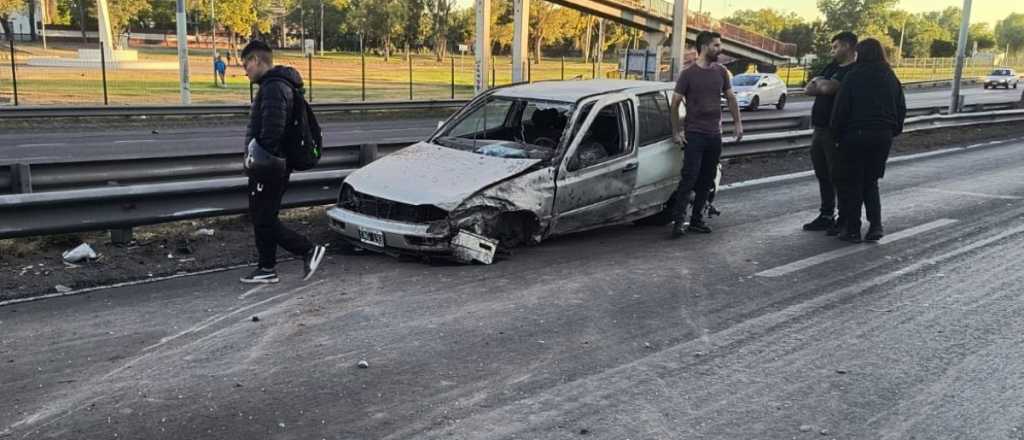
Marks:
<point>700,87</point>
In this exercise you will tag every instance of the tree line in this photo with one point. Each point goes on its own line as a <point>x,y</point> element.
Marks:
<point>439,26</point>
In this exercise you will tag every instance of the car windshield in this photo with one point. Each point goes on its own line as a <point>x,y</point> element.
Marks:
<point>1000,72</point>
<point>510,128</point>
<point>745,80</point>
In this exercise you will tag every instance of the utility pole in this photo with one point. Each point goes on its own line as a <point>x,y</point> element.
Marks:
<point>186,92</point>
<point>321,27</point>
<point>483,45</point>
<point>44,23</point>
<point>678,36</point>
<point>903,29</point>
<point>961,47</point>
<point>213,40</point>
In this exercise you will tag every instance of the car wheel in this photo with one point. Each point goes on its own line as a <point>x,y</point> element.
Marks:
<point>662,218</point>
<point>754,103</point>
<point>782,102</point>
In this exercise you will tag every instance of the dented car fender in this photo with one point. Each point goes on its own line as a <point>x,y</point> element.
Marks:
<point>515,211</point>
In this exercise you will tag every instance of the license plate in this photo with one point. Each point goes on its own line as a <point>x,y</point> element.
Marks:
<point>369,236</point>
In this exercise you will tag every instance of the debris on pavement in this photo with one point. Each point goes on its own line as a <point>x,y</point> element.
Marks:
<point>468,247</point>
<point>805,428</point>
<point>81,252</point>
<point>363,364</point>
<point>255,318</point>
<point>62,288</point>
<point>204,232</point>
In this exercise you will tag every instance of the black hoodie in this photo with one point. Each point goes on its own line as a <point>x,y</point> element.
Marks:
<point>272,108</point>
<point>870,98</point>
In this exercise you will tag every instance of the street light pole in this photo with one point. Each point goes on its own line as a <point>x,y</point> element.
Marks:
<point>903,29</point>
<point>961,48</point>
<point>185,88</point>
<point>213,40</point>
<point>43,5</point>
<point>321,27</point>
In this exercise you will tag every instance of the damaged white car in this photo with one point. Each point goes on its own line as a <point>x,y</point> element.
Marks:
<point>515,166</point>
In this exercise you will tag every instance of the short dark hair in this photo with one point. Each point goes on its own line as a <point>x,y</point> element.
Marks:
<point>260,50</point>
<point>846,37</point>
<point>704,38</point>
<point>870,51</point>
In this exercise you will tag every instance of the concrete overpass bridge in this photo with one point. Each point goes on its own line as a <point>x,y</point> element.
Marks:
<point>659,19</point>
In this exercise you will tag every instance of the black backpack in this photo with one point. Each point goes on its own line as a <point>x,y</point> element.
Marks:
<point>304,140</point>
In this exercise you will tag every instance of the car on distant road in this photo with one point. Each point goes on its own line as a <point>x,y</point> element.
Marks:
<point>754,90</point>
<point>516,165</point>
<point>1002,77</point>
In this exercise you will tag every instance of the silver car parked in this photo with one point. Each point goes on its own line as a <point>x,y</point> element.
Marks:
<point>517,165</point>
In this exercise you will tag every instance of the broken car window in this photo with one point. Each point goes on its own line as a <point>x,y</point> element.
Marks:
<point>510,128</point>
<point>485,121</point>
<point>655,125</point>
<point>603,139</point>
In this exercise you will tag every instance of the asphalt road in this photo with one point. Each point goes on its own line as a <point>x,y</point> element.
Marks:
<point>759,330</point>
<point>101,143</point>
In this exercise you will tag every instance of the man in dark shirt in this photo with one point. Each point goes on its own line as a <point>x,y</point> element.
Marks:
<point>700,88</point>
<point>823,145</point>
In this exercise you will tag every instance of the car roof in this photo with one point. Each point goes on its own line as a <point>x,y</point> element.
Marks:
<point>572,91</point>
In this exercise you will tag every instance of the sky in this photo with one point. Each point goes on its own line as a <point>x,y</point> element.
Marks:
<point>989,11</point>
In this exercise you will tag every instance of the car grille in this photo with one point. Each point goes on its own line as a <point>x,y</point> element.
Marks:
<point>387,209</point>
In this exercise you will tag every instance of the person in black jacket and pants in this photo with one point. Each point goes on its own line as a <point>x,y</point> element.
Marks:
<point>869,112</point>
<point>270,118</point>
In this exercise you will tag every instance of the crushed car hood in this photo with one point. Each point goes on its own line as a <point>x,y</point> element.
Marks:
<point>428,174</point>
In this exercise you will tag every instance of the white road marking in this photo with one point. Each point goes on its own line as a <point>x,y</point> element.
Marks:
<point>135,141</point>
<point>973,194</point>
<point>852,249</point>
<point>56,144</point>
<point>251,291</point>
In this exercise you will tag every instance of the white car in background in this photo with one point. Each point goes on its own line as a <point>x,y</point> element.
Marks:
<point>754,90</point>
<point>1002,77</point>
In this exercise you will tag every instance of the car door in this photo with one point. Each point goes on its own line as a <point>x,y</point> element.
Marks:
<point>593,188</point>
<point>659,156</point>
<point>778,88</point>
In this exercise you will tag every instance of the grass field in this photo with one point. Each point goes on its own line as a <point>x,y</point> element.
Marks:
<point>335,77</point>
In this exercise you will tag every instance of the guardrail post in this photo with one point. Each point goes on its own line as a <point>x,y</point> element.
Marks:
<point>121,236</point>
<point>310,82</point>
<point>21,178</point>
<point>563,67</point>
<point>453,77</point>
<point>367,154</point>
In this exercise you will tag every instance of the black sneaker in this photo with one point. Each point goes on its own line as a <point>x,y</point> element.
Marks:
<point>699,226</point>
<point>852,237</point>
<point>261,276</point>
<point>678,228</point>
<point>822,223</point>
<point>312,261</point>
<point>874,234</point>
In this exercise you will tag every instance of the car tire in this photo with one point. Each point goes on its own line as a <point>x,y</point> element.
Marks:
<point>782,102</point>
<point>754,103</point>
<point>662,218</point>
<point>984,86</point>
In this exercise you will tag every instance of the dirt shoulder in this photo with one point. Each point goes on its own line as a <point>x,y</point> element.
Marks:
<point>34,266</point>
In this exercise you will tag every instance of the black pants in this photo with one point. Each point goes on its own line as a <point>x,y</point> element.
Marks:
<point>264,205</point>
<point>700,166</point>
<point>823,156</point>
<point>862,157</point>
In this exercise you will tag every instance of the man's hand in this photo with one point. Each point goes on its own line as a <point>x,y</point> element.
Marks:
<point>738,131</point>
<point>679,139</point>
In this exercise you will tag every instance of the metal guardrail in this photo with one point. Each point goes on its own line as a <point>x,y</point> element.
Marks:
<point>184,196</point>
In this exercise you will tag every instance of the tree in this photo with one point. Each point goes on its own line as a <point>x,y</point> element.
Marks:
<point>863,17</point>
<point>921,32</point>
<point>981,34</point>
<point>8,7</point>
<point>803,35</point>
<point>375,20</point>
<point>548,23</point>
<point>942,49</point>
<point>1010,32</point>
<point>765,21</point>
<point>122,12</point>
<point>439,12</point>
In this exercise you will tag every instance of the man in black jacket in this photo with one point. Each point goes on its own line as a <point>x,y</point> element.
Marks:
<point>270,126</point>
<point>823,145</point>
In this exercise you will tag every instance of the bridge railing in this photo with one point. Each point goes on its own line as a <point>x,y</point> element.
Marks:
<point>729,31</point>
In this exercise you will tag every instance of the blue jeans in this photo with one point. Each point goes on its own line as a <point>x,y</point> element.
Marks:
<point>700,166</point>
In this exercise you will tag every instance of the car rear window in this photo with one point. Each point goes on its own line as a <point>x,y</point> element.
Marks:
<point>654,112</point>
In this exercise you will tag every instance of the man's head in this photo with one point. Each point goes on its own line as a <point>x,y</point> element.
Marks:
<point>257,58</point>
<point>709,45</point>
<point>843,47</point>
<point>689,56</point>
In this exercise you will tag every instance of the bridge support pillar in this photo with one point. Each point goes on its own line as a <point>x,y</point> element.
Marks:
<point>482,51</point>
<point>678,37</point>
<point>520,39</point>
<point>654,42</point>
